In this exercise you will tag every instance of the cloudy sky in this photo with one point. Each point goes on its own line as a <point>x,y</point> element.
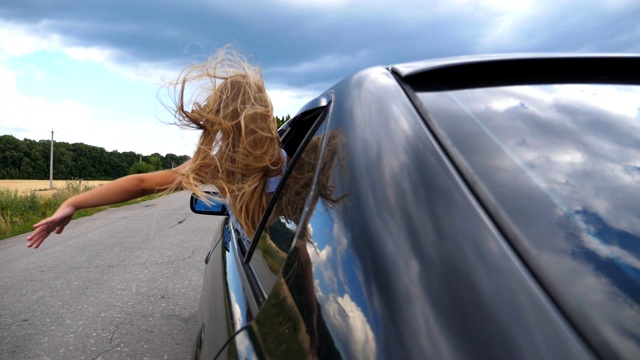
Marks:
<point>91,71</point>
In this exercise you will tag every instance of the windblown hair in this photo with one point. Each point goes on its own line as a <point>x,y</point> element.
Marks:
<point>239,145</point>
<point>301,179</point>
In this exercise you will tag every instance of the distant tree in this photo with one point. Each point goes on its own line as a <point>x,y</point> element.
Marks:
<point>141,168</point>
<point>27,170</point>
<point>171,160</point>
<point>39,153</point>
<point>12,151</point>
<point>281,120</point>
<point>155,160</point>
<point>117,165</point>
<point>63,161</point>
<point>29,159</point>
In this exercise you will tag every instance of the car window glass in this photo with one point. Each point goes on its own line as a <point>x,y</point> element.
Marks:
<point>292,137</point>
<point>291,324</point>
<point>274,241</point>
<point>561,163</point>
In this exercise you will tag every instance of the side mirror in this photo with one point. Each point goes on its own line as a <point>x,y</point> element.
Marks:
<point>211,206</point>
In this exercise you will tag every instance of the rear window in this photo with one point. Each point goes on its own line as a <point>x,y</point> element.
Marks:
<point>558,168</point>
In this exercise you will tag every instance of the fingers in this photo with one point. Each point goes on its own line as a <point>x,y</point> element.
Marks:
<point>36,244</point>
<point>36,240</point>
<point>41,232</point>
<point>35,233</point>
<point>37,237</point>
<point>56,223</point>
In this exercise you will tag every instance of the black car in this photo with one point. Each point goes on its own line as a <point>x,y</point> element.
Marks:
<point>482,207</point>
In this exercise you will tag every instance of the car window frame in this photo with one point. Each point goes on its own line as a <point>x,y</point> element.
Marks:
<point>254,288</point>
<point>322,113</point>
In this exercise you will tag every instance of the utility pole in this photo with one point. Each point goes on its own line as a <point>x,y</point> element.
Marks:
<point>51,164</point>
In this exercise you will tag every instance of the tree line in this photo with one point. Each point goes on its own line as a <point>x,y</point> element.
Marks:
<point>29,160</point>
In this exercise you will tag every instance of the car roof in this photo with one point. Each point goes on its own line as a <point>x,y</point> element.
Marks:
<point>416,67</point>
<point>514,69</point>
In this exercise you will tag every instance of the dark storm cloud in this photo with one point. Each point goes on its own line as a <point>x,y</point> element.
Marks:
<point>314,46</point>
<point>571,27</point>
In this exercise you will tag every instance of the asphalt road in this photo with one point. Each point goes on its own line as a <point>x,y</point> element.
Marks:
<point>121,284</point>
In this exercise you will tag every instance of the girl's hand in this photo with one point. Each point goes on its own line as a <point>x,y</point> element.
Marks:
<point>54,223</point>
<point>120,190</point>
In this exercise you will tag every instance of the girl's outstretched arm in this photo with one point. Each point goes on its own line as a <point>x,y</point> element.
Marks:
<point>120,190</point>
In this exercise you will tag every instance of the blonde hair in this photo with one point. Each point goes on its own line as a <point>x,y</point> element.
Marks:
<point>239,144</point>
<point>300,180</point>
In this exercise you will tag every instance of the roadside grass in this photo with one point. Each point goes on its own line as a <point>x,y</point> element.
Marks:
<point>20,211</point>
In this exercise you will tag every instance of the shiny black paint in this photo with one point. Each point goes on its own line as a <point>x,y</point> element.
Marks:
<point>420,266</point>
<point>418,257</point>
<point>225,305</point>
<point>212,315</point>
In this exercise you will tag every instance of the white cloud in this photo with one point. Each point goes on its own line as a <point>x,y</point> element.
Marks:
<point>622,100</point>
<point>73,121</point>
<point>236,312</point>
<point>421,29</point>
<point>150,72</point>
<point>112,128</point>
<point>287,101</point>
<point>89,54</point>
<point>348,320</point>
<point>608,251</point>
<point>16,41</point>
<point>568,157</point>
<point>155,73</point>
<point>8,88</point>
<point>37,114</point>
<point>601,151</point>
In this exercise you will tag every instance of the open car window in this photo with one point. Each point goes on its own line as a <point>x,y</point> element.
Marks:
<point>281,221</point>
<point>294,132</point>
<point>293,135</point>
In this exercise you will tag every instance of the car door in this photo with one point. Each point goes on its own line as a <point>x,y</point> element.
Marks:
<point>252,270</point>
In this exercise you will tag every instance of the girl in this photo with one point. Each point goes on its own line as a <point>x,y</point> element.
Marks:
<point>238,151</point>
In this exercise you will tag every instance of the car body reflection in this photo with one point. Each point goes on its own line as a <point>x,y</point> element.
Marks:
<point>464,208</point>
<point>570,153</point>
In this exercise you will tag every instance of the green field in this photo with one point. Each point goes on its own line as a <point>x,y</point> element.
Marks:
<point>20,210</point>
